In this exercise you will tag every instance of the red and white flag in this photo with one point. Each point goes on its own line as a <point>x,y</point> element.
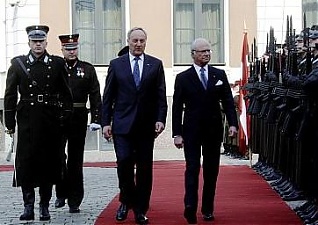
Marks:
<point>244,119</point>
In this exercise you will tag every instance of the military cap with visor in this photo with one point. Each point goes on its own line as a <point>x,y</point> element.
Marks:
<point>69,41</point>
<point>37,32</point>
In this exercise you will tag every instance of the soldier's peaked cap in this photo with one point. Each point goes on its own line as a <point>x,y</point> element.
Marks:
<point>37,32</point>
<point>69,41</point>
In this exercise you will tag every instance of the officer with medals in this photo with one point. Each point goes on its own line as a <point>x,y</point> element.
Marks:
<point>36,91</point>
<point>83,83</point>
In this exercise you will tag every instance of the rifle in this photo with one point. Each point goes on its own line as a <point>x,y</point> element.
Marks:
<point>306,46</point>
<point>11,148</point>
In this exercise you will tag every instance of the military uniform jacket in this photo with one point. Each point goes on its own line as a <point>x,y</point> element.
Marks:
<point>33,96</point>
<point>315,61</point>
<point>83,82</point>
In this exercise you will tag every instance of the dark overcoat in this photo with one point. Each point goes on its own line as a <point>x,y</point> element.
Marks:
<point>33,99</point>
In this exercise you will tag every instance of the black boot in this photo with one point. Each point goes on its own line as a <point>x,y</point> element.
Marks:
<point>45,196</point>
<point>28,199</point>
<point>44,213</point>
<point>28,213</point>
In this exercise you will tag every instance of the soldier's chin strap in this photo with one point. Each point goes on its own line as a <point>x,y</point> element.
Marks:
<point>71,62</point>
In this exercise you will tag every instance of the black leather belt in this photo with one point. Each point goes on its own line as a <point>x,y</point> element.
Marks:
<point>41,99</point>
<point>79,105</point>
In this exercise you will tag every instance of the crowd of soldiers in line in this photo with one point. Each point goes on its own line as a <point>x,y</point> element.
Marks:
<point>282,105</point>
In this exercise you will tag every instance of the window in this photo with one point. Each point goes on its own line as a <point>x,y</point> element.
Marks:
<point>198,18</point>
<point>100,25</point>
<point>310,7</point>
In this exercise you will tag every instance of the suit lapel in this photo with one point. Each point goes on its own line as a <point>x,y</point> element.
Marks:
<point>212,79</point>
<point>127,69</point>
<point>145,70</point>
<point>195,79</point>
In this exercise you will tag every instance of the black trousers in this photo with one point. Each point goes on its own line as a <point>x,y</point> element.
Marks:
<point>210,164</point>
<point>28,193</point>
<point>135,151</point>
<point>71,186</point>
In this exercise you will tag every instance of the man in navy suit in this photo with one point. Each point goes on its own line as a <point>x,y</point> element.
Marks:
<point>133,114</point>
<point>199,93</point>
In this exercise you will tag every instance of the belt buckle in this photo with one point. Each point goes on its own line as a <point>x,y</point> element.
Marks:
<point>40,98</point>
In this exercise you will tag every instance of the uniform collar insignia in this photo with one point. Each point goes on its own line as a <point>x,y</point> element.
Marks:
<point>31,59</point>
<point>46,59</point>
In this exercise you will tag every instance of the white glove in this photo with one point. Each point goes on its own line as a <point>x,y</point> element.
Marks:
<point>94,127</point>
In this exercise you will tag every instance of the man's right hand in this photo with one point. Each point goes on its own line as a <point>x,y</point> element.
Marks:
<point>107,132</point>
<point>178,141</point>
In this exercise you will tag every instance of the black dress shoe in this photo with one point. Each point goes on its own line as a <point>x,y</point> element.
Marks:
<point>311,218</point>
<point>141,219</point>
<point>59,202</point>
<point>208,217</point>
<point>293,196</point>
<point>28,214</point>
<point>74,209</point>
<point>122,212</point>
<point>190,215</point>
<point>44,213</point>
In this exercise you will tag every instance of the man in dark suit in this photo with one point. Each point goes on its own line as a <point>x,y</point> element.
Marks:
<point>198,95</point>
<point>133,114</point>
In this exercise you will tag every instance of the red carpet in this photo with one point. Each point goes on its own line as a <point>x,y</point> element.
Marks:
<point>243,198</point>
<point>4,168</point>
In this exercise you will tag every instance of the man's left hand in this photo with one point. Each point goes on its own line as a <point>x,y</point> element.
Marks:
<point>159,128</point>
<point>232,131</point>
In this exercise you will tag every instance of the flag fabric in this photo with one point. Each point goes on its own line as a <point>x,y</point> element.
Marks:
<point>244,119</point>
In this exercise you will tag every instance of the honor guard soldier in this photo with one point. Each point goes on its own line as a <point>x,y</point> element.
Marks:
<point>38,78</point>
<point>313,43</point>
<point>84,85</point>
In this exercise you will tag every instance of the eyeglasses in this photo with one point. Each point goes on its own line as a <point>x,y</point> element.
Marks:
<point>203,51</point>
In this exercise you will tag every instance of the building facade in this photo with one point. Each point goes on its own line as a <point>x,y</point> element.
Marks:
<point>171,26</point>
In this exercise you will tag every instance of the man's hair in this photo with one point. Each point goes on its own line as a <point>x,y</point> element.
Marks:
<point>196,41</point>
<point>135,28</point>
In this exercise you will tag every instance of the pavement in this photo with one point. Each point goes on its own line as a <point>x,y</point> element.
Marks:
<point>100,185</point>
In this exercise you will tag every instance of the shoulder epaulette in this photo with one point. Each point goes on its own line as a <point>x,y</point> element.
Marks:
<point>19,56</point>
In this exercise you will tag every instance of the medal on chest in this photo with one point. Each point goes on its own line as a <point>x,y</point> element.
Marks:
<point>80,72</point>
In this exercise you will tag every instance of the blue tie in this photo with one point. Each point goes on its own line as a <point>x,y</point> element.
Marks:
<point>203,77</point>
<point>136,72</point>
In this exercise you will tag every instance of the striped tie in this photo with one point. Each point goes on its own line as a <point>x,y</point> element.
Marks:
<point>136,72</point>
<point>203,78</point>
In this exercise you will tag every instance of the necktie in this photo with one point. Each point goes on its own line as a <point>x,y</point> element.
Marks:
<point>203,78</point>
<point>136,72</point>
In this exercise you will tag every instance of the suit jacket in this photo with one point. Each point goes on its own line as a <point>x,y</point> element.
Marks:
<point>124,104</point>
<point>196,110</point>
